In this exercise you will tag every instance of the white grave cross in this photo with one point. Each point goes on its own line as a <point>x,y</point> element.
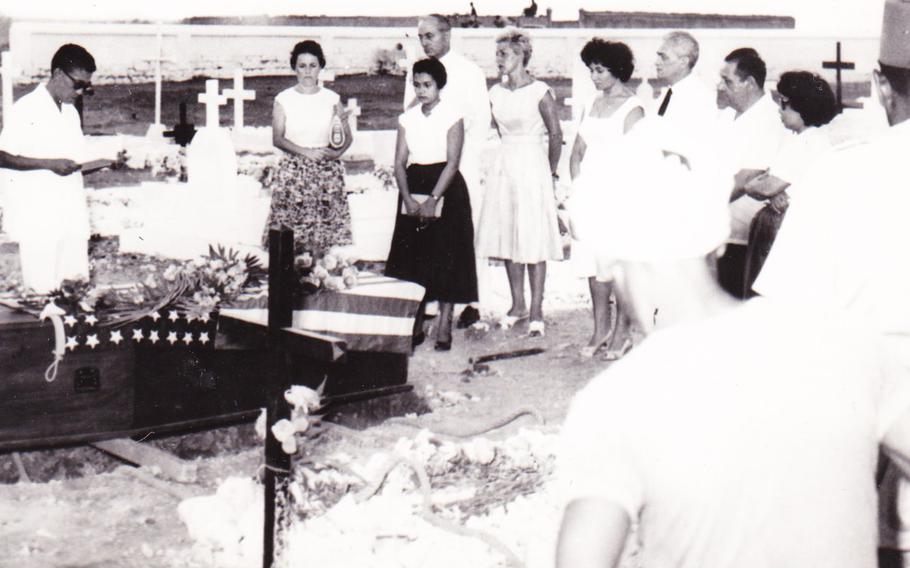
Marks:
<point>158,59</point>
<point>7,73</point>
<point>238,94</point>
<point>354,111</point>
<point>212,101</point>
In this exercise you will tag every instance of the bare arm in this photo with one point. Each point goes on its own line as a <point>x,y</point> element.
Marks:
<point>578,154</point>
<point>632,119</point>
<point>401,176</point>
<point>740,180</point>
<point>592,535</point>
<point>60,166</point>
<point>548,113</point>
<point>454,144</point>
<point>279,140</point>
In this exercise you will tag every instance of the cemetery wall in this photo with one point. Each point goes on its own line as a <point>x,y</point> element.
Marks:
<point>125,52</point>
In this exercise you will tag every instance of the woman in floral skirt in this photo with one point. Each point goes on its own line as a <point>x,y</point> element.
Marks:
<point>307,185</point>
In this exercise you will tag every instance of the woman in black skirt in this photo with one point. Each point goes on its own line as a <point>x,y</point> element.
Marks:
<point>433,241</point>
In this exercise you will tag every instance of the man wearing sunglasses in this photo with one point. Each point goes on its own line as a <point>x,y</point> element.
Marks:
<point>42,154</point>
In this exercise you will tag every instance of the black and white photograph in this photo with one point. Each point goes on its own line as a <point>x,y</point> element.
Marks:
<point>490,283</point>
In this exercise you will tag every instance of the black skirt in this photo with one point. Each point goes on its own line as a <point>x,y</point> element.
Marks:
<point>762,233</point>
<point>437,254</point>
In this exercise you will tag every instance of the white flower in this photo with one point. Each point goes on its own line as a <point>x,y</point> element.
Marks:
<point>301,423</point>
<point>303,398</point>
<point>350,281</point>
<point>330,262</point>
<point>334,283</point>
<point>304,260</point>
<point>283,430</point>
<point>289,446</point>
<point>260,425</point>
<point>171,272</point>
<point>320,272</point>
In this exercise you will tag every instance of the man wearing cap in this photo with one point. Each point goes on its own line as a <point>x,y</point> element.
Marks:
<point>41,153</point>
<point>843,245</point>
<point>737,433</point>
<point>467,86</point>
<point>751,136</point>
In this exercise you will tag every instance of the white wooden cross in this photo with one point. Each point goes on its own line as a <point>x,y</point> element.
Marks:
<point>354,111</point>
<point>212,101</point>
<point>238,94</point>
<point>158,59</point>
<point>7,74</point>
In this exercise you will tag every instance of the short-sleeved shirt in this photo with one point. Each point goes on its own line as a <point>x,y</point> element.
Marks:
<point>747,439</point>
<point>427,136</point>
<point>40,201</point>
<point>750,141</point>
<point>308,116</point>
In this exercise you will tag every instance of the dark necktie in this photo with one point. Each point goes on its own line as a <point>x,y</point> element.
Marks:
<point>665,103</point>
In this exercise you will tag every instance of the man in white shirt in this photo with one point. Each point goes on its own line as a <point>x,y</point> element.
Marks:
<point>843,244</point>
<point>467,86</point>
<point>751,135</point>
<point>686,105</point>
<point>41,151</point>
<point>737,433</point>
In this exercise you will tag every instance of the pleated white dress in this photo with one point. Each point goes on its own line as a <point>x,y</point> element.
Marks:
<point>518,215</point>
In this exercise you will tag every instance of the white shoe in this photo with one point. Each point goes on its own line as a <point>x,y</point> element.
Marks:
<point>537,329</point>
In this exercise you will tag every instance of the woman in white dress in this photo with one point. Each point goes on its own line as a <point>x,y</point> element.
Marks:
<point>604,123</point>
<point>518,222</point>
<point>307,186</point>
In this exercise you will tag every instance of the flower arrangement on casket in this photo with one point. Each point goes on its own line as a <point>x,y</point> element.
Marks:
<point>174,305</point>
<point>332,272</point>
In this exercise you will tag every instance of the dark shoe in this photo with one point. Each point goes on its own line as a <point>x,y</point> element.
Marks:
<point>417,339</point>
<point>469,316</point>
<point>443,345</point>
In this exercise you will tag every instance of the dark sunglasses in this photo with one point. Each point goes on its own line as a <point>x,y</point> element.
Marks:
<point>80,85</point>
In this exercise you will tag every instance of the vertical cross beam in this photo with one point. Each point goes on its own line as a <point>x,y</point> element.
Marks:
<point>212,101</point>
<point>7,74</point>
<point>238,95</point>
<point>277,463</point>
<point>838,65</point>
<point>354,110</point>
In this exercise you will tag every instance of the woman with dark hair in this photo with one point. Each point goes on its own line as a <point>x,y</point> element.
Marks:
<point>433,240</point>
<point>307,185</point>
<point>807,103</point>
<point>518,222</point>
<point>604,122</point>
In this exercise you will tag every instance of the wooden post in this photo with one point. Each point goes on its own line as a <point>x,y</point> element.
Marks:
<point>277,463</point>
<point>838,65</point>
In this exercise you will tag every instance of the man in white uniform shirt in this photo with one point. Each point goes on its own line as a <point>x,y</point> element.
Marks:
<point>41,150</point>
<point>467,86</point>
<point>751,134</point>
<point>843,244</point>
<point>738,434</point>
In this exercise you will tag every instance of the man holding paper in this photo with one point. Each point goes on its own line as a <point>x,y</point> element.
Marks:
<point>43,157</point>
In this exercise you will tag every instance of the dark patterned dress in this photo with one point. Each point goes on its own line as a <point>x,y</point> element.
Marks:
<point>308,196</point>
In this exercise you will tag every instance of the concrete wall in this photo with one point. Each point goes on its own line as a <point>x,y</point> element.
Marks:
<point>123,50</point>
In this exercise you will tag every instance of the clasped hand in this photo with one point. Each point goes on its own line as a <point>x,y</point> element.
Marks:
<point>425,210</point>
<point>63,167</point>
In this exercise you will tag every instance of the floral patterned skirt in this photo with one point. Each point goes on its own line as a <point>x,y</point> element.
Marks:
<point>308,196</point>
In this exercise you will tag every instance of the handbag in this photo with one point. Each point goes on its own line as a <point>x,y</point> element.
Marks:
<point>420,199</point>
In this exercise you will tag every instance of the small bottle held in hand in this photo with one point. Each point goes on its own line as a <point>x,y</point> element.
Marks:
<point>336,132</point>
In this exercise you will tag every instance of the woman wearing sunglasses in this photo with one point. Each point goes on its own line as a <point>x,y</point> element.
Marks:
<point>807,104</point>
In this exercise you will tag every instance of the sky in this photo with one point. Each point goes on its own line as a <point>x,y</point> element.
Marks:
<point>835,16</point>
